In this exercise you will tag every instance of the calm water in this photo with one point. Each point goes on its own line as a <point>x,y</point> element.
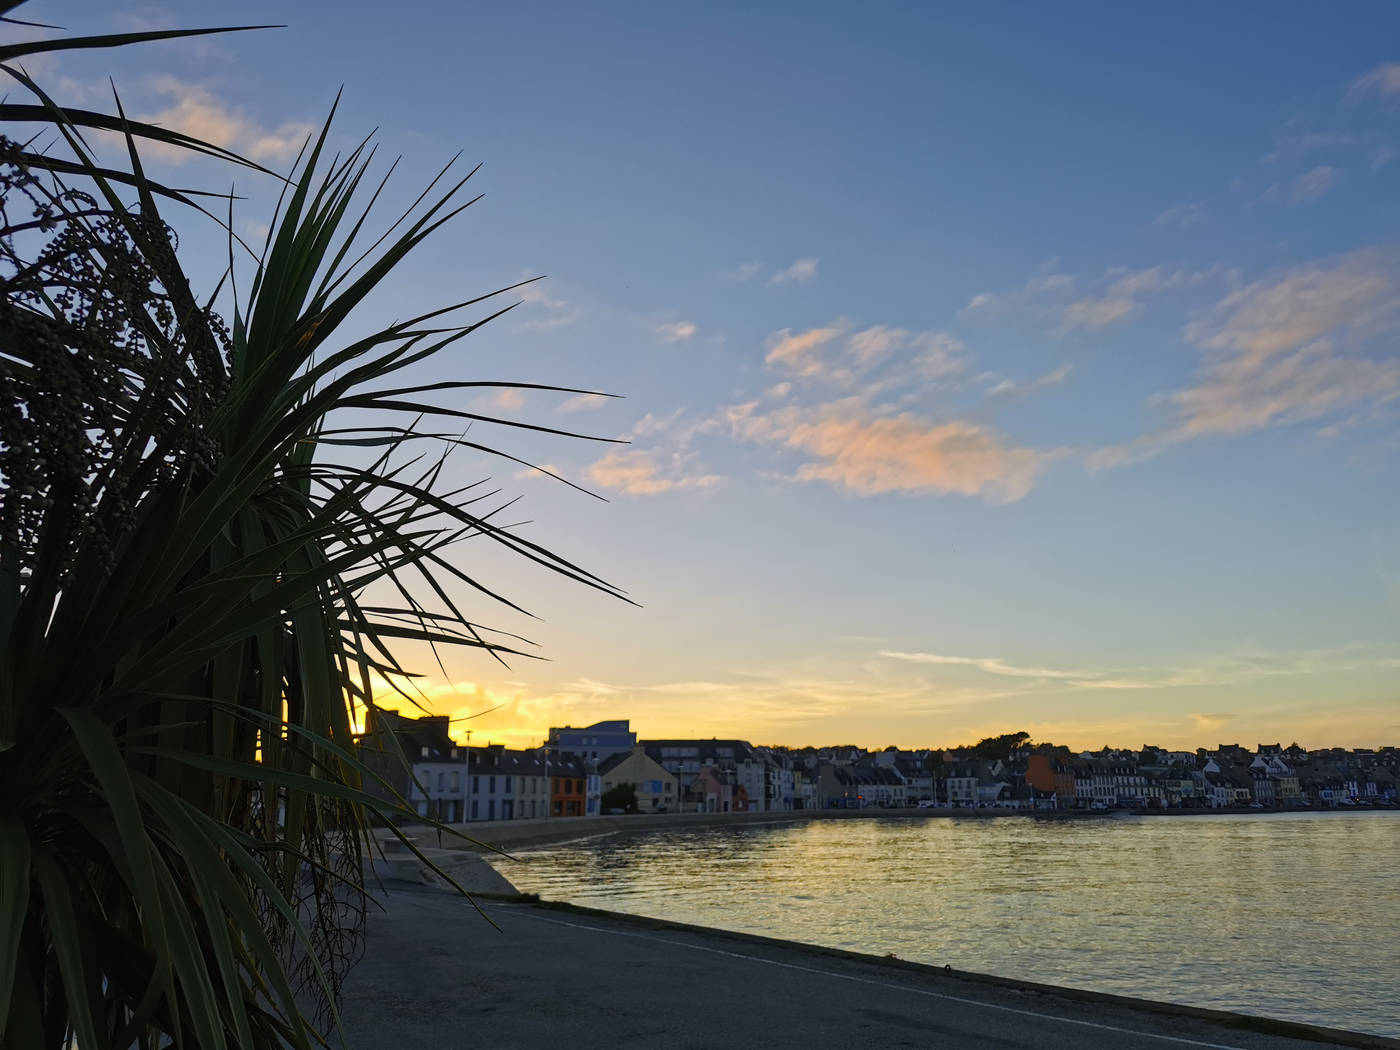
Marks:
<point>1293,916</point>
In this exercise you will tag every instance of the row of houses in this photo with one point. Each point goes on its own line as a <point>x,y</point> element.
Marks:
<point>417,759</point>
<point>1047,777</point>
<point>568,776</point>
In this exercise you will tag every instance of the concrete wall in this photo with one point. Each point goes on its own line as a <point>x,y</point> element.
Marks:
<point>523,834</point>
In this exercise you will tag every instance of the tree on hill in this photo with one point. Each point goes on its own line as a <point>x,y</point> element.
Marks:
<point>999,746</point>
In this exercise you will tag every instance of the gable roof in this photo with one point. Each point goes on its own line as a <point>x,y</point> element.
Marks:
<point>420,739</point>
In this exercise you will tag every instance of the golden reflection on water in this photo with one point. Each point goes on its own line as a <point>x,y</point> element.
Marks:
<point>1295,916</point>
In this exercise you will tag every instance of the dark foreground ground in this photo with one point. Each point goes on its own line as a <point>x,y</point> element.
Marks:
<point>438,976</point>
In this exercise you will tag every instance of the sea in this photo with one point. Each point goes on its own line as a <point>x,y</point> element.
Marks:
<point>1294,916</point>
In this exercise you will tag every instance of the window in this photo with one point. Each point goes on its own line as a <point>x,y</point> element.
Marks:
<point>476,785</point>
<point>506,788</point>
<point>475,810</point>
<point>442,781</point>
<point>491,787</point>
<point>456,783</point>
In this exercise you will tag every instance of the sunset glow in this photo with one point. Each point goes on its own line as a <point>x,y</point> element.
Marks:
<point>1034,370</point>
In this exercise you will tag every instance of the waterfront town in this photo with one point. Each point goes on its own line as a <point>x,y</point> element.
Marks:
<point>604,768</point>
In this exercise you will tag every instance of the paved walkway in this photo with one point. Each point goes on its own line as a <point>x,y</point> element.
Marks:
<point>437,975</point>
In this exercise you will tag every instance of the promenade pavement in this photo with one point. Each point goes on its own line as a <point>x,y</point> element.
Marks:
<point>437,975</point>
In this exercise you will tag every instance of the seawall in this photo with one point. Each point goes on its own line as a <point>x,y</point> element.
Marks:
<point>504,836</point>
<point>434,974</point>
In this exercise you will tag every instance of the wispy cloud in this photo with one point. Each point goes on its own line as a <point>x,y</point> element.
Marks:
<point>991,665</point>
<point>1098,312</point>
<point>665,460</point>
<point>780,700</point>
<point>800,272</point>
<point>550,324</point>
<point>675,331</point>
<point>864,452</point>
<point>1187,213</point>
<point>980,303</point>
<point>195,110</point>
<point>836,410</point>
<point>824,703</point>
<point>508,399</point>
<point>1223,669</point>
<point>1048,284</point>
<point>556,310</point>
<point>871,344</point>
<point>835,355</point>
<point>1303,303</point>
<point>1008,388</point>
<point>1286,349</point>
<point>1208,721</point>
<point>1123,295</point>
<point>1064,303</point>
<point>800,352</point>
<point>930,354</point>
<point>582,403</point>
<point>1382,82</point>
<point>645,472</point>
<point>537,293</point>
<point>743,272</point>
<point>542,470</point>
<point>1307,187</point>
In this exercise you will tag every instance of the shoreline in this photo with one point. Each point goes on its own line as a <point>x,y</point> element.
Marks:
<point>503,836</point>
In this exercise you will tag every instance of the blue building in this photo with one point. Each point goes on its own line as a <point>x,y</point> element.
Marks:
<point>596,742</point>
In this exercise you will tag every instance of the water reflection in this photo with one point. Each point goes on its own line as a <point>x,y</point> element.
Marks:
<point>1294,916</point>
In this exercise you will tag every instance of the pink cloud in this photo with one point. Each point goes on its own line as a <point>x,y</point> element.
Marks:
<point>800,353</point>
<point>637,472</point>
<point>867,454</point>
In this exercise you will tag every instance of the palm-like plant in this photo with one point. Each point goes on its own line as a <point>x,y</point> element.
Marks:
<point>186,538</point>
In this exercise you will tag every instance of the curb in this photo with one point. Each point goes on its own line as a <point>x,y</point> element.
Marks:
<point>943,974</point>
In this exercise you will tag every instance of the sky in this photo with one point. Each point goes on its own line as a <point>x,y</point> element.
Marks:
<point>985,367</point>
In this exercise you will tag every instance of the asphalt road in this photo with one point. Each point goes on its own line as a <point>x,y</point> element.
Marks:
<point>436,975</point>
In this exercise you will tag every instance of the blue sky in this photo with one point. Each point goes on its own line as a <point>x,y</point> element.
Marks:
<point>985,368</point>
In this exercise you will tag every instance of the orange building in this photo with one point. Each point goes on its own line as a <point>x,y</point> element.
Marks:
<point>568,782</point>
<point>1046,773</point>
<point>1040,774</point>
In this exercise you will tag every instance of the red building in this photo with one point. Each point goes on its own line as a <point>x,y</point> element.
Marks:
<point>568,786</point>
